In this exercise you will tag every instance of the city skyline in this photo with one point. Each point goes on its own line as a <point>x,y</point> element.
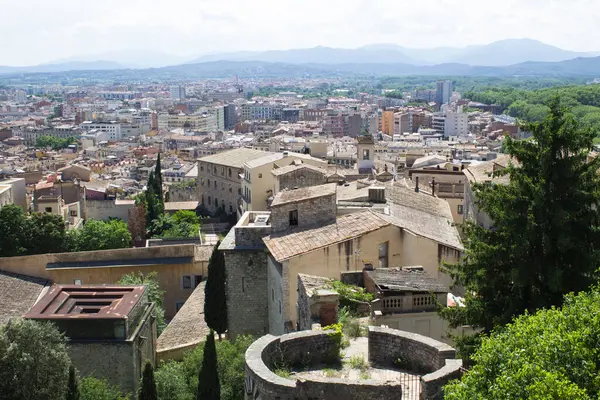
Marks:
<point>199,28</point>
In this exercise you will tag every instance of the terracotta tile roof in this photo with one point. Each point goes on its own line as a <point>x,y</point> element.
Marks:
<point>283,247</point>
<point>18,293</point>
<point>188,327</point>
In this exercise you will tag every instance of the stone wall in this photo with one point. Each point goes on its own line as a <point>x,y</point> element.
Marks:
<point>119,362</point>
<point>312,348</point>
<point>302,348</point>
<point>247,296</point>
<point>311,212</point>
<point>189,193</point>
<point>413,352</point>
<point>300,178</point>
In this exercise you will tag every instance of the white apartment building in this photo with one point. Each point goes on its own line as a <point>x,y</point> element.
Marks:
<point>456,124</point>
<point>112,128</point>
<point>177,92</point>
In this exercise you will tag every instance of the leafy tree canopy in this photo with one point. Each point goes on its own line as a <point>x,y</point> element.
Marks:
<point>552,354</point>
<point>101,235</point>
<point>545,240</point>
<point>44,142</point>
<point>155,293</point>
<point>34,363</point>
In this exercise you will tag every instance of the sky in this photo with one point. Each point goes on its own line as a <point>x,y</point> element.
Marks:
<point>40,31</point>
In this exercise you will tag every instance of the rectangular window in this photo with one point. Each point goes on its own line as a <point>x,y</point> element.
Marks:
<point>178,305</point>
<point>186,282</point>
<point>48,209</point>
<point>294,218</point>
<point>77,282</point>
<point>73,213</point>
<point>243,286</point>
<point>197,280</point>
<point>365,154</point>
<point>383,255</point>
<point>459,209</point>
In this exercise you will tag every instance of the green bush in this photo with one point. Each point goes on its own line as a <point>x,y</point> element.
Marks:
<point>171,383</point>
<point>99,389</point>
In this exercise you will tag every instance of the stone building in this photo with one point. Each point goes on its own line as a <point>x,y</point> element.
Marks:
<point>265,252</point>
<point>220,179</point>
<point>297,176</point>
<point>111,330</point>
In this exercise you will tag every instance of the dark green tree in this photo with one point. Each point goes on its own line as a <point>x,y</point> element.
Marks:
<point>73,385</point>
<point>209,387</point>
<point>215,304</point>
<point>46,234</point>
<point>34,363</point>
<point>13,231</point>
<point>148,389</point>
<point>153,209</point>
<point>545,239</point>
<point>158,182</point>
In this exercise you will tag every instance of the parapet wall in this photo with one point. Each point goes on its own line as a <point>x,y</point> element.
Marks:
<point>386,347</point>
<point>416,353</point>
<point>304,348</point>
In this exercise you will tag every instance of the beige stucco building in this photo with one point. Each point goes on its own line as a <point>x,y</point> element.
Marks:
<point>220,179</point>
<point>259,183</point>
<point>179,268</point>
<point>303,234</point>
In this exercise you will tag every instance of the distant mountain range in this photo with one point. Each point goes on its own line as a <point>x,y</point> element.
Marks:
<point>64,66</point>
<point>504,58</point>
<point>501,53</point>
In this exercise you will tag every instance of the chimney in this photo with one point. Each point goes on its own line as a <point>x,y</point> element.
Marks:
<point>433,187</point>
<point>417,184</point>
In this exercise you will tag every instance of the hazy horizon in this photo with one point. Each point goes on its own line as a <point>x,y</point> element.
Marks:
<point>39,32</point>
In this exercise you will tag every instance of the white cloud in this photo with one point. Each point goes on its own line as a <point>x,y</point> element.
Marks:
<point>37,31</point>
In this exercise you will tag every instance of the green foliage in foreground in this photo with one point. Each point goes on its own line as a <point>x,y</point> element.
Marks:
<point>349,294</point>
<point>34,363</point>
<point>155,294</point>
<point>545,241</point>
<point>179,380</point>
<point>99,389</point>
<point>552,354</point>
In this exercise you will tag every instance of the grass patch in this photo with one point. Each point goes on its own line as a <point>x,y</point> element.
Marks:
<point>358,362</point>
<point>365,375</point>
<point>354,329</point>
<point>331,373</point>
<point>283,373</point>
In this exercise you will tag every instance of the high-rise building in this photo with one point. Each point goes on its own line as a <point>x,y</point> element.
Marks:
<point>177,92</point>
<point>230,116</point>
<point>443,92</point>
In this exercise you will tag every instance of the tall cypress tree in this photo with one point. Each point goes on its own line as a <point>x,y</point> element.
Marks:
<point>209,387</point>
<point>73,385</point>
<point>158,183</point>
<point>151,211</point>
<point>545,240</point>
<point>148,389</point>
<point>215,303</point>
